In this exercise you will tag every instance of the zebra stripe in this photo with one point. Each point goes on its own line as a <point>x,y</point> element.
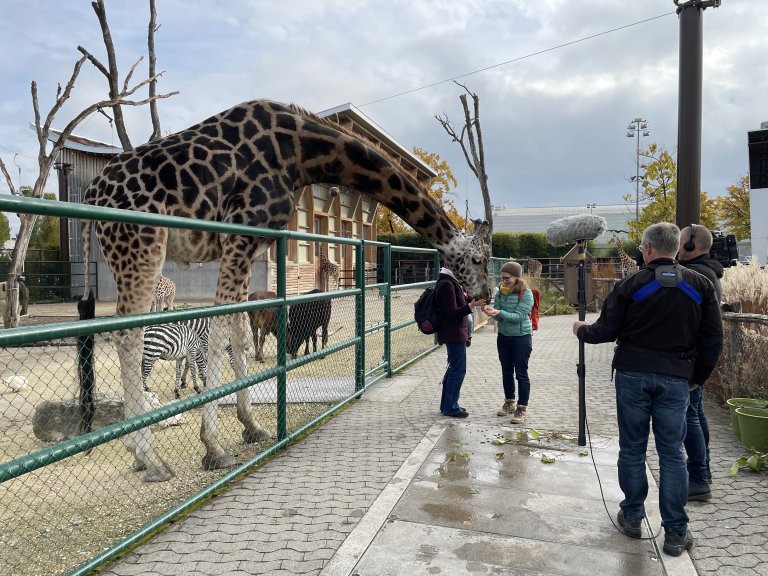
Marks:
<point>202,329</point>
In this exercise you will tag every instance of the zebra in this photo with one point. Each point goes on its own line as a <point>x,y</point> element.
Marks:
<point>202,329</point>
<point>173,342</point>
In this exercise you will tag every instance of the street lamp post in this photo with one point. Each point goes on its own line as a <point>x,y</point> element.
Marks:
<point>636,128</point>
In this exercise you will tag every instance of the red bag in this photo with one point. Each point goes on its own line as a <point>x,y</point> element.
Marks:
<point>535,309</point>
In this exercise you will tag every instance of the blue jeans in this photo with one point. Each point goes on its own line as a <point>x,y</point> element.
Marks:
<point>642,398</point>
<point>514,353</point>
<point>454,377</point>
<point>697,438</point>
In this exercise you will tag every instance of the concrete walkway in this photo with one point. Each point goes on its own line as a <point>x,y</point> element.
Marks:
<point>390,487</point>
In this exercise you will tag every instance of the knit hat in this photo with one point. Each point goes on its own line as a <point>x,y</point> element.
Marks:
<point>513,269</point>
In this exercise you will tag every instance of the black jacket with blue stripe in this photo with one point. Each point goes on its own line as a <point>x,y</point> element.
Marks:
<point>665,319</point>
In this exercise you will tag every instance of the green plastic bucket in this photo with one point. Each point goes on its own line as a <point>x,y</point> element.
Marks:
<point>753,427</point>
<point>734,403</point>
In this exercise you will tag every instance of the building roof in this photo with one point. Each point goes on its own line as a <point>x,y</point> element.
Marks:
<point>538,219</point>
<point>364,124</point>
<point>86,145</point>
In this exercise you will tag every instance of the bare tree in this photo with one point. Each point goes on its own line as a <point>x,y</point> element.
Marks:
<point>474,136</point>
<point>46,159</point>
<point>112,75</point>
<point>153,27</point>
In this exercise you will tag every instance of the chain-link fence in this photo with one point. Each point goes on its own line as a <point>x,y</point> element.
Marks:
<point>73,495</point>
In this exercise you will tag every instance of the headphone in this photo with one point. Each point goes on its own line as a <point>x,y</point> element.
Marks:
<point>690,246</point>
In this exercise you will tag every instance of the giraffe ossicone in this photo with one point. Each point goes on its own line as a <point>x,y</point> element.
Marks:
<point>242,166</point>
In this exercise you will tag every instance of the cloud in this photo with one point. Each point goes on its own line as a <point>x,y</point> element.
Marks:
<point>558,81</point>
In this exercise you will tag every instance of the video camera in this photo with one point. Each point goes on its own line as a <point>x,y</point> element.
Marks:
<point>724,249</point>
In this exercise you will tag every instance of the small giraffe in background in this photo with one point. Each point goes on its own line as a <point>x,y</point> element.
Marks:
<point>328,268</point>
<point>165,293</point>
<point>626,262</point>
<point>534,267</point>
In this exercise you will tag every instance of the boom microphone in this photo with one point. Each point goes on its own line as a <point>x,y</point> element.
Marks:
<point>571,229</point>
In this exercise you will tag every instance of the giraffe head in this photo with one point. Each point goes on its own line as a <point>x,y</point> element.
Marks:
<point>467,257</point>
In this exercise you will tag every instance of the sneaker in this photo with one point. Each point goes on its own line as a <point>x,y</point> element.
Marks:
<point>507,409</point>
<point>698,492</point>
<point>631,528</point>
<point>520,415</point>
<point>675,543</point>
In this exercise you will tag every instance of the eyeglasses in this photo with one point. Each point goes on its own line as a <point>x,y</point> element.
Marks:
<point>640,246</point>
<point>506,278</point>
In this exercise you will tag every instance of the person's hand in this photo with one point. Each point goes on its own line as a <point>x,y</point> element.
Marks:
<point>477,303</point>
<point>490,311</point>
<point>578,324</point>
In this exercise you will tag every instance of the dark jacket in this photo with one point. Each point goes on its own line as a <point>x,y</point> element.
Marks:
<point>666,332</point>
<point>709,267</point>
<point>453,310</point>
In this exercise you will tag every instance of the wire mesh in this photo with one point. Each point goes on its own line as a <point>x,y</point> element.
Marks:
<point>58,516</point>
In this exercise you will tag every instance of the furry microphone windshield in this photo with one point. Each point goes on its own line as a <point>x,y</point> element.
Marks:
<point>571,229</point>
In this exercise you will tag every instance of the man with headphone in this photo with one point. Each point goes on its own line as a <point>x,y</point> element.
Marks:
<point>695,243</point>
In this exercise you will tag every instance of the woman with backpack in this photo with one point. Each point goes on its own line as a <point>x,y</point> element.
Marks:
<point>454,307</point>
<point>511,309</point>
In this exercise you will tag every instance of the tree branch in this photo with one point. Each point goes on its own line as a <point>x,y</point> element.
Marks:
<point>93,60</point>
<point>153,113</point>
<point>4,170</point>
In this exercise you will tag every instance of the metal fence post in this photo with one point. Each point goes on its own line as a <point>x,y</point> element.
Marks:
<point>282,335</point>
<point>360,316</point>
<point>388,308</point>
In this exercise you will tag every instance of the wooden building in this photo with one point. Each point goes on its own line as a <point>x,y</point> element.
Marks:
<point>339,211</point>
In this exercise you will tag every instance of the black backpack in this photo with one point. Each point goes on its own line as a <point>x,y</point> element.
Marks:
<point>425,312</point>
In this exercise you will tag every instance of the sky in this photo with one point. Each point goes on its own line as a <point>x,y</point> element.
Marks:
<point>558,80</point>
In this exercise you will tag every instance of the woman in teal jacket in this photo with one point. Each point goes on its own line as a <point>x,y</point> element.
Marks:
<point>511,310</point>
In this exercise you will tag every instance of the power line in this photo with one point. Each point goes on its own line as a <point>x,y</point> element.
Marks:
<point>14,152</point>
<point>518,59</point>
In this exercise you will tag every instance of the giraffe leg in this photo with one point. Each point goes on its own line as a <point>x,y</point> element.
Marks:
<point>136,277</point>
<point>129,347</point>
<point>232,287</point>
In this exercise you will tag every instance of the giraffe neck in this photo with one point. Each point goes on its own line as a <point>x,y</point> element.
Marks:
<point>318,151</point>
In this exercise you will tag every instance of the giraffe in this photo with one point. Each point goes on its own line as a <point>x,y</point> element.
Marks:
<point>626,262</point>
<point>165,293</point>
<point>534,267</point>
<point>328,268</point>
<point>241,166</point>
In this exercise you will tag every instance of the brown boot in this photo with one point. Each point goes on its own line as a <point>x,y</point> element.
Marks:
<point>519,416</point>
<point>507,409</point>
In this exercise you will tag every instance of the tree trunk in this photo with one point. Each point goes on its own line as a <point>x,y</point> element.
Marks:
<point>11,316</point>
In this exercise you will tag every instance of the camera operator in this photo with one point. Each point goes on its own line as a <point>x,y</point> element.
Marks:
<point>695,244</point>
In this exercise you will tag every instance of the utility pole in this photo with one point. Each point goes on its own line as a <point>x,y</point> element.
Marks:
<point>691,13</point>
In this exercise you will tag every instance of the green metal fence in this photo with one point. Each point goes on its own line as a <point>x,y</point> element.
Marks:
<point>70,500</point>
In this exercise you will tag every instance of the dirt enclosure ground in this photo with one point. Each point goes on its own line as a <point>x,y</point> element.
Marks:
<point>57,517</point>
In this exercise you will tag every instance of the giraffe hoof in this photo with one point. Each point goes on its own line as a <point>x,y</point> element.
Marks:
<point>252,435</point>
<point>157,475</point>
<point>223,460</point>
